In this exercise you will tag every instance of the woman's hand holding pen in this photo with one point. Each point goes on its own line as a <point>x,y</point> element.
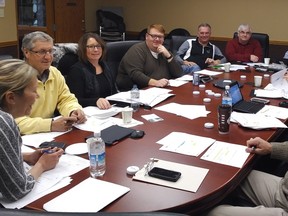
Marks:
<point>258,146</point>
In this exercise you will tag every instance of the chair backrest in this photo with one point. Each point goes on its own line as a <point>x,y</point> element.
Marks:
<point>178,32</point>
<point>177,41</point>
<point>115,51</point>
<point>110,21</point>
<point>66,62</point>
<point>142,34</point>
<point>263,39</point>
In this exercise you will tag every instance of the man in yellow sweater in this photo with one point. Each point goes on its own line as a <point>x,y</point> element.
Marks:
<point>54,94</point>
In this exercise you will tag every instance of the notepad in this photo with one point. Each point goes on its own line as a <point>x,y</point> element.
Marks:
<point>91,195</point>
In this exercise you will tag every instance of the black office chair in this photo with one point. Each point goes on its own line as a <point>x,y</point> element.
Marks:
<point>177,41</point>
<point>178,32</point>
<point>175,32</point>
<point>66,62</point>
<point>263,39</point>
<point>142,34</point>
<point>115,52</point>
<point>111,26</point>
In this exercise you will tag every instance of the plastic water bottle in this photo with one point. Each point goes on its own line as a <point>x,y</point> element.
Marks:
<point>226,97</point>
<point>135,98</point>
<point>97,155</point>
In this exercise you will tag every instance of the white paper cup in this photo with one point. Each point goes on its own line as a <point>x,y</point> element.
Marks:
<point>257,81</point>
<point>227,67</point>
<point>127,115</point>
<point>266,61</point>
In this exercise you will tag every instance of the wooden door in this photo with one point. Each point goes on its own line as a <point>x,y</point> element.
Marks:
<point>69,20</point>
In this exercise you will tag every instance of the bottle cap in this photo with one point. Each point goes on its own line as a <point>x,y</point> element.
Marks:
<point>97,133</point>
<point>207,100</point>
<point>208,125</point>
<point>131,170</point>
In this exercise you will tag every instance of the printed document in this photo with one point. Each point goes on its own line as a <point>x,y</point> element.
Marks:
<point>151,96</point>
<point>184,143</point>
<point>185,110</point>
<point>227,154</point>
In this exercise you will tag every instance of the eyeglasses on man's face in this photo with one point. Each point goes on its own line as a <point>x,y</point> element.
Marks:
<point>154,36</point>
<point>93,47</point>
<point>42,53</point>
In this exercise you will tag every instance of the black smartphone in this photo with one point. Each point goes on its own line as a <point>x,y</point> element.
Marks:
<point>164,174</point>
<point>52,144</point>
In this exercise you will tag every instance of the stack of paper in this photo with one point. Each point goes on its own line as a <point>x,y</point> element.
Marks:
<point>227,154</point>
<point>184,143</point>
<point>51,180</point>
<point>256,121</point>
<point>185,110</point>
<point>101,114</point>
<point>150,97</point>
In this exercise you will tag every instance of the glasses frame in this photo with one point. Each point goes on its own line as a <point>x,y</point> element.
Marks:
<point>42,53</point>
<point>92,47</point>
<point>154,37</point>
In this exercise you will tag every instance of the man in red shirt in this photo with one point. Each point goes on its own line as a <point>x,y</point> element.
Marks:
<point>244,48</point>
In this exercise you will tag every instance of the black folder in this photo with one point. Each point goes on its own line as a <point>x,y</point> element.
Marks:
<point>113,134</point>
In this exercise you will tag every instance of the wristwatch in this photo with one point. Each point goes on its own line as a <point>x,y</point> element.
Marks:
<point>170,57</point>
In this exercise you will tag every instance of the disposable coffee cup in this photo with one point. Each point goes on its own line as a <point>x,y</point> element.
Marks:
<point>224,113</point>
<point>266,61</point>
<point>127,115</point>
<point>257,81</point>
<point>227,67</point>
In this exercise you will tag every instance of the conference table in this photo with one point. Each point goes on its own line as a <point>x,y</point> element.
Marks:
<point>142,197</point>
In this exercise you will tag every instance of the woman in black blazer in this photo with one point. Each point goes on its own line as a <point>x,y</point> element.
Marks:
<point>90,79</point>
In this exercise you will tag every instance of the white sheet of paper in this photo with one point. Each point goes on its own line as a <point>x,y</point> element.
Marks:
<point>36,139</point>
<point>94,195</point>
<point>226,153</point>
<point>256,121</point>
<point>185,110</point>
<point>152,118</point>
<point>274,111</point>
<point>101,124</point>
<point>185,77</point>
<point>184,143</point>
<point>101,114</point>
<point>151,96</point>
<point>177,83</point>
<point>209,72</point>
<point>190,180</point>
